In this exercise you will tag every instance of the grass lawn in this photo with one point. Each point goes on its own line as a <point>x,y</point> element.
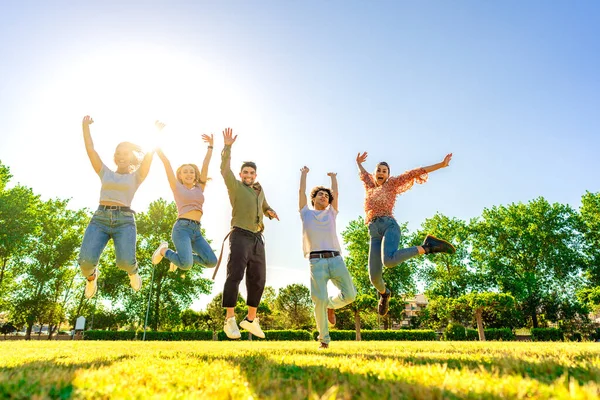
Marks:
<point>297,370</point>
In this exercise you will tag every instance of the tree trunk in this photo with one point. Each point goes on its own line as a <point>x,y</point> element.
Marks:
<point>534,319</point>
<point>215,336</point>
<point>357,324</point>
<point>28,331</point>
<point>4,260</point>
<point>50,331</point>
<point>478,313</point>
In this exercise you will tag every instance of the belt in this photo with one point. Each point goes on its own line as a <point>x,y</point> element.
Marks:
<point>188,220</point>
<point>323,254</point>
<point>115,208</point>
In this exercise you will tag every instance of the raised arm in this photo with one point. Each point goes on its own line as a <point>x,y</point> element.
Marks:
<point>204,170</point>
<point>360,159</point>
<point>445,162</point>
<point>168,169</point>
<point>334,189</point>
<point>302,191</point>
<point>89,144</point>
<point>226,172</point>
<point>147,161</point>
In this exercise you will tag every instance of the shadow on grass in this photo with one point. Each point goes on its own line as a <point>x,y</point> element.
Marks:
<point>45,379</point>
<point>545,371</point>
<point>271,379</point>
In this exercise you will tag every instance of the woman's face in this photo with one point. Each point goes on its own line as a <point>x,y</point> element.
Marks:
<point>123,157</point>
<point>382,173</point>
<point>187,175</point>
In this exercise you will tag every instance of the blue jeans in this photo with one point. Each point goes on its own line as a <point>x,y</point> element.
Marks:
<point>383,250</point>
<point>188,240</point>
<point>107,224</point>
<point>321,271</point>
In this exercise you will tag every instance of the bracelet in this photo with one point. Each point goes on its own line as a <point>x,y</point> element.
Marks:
<point>210,147</point>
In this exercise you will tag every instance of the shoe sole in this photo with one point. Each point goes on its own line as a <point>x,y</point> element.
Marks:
<point>157,254</point>
<point>442,240</point>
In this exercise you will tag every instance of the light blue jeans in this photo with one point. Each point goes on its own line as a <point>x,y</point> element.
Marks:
<point>107,224</point>
<point>188,240</point>
<point>321,271</point>
<point>383,250</point>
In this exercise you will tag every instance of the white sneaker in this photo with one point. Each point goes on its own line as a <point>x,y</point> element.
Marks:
<point>91,287</point>
<point>172,267</point>
<point>157,256</point>
<point>135,280</point>
<point>253,327</point>
<point>231,329</point>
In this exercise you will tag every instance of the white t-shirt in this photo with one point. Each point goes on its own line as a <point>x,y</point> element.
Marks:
<point>118,188</point>
<point>318,230</point>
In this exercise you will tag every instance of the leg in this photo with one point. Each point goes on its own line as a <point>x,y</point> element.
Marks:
<point>340,277</point>
<point>318,292</point>
<point>124,238</point>
<point>239,246</point>
<point>182,239</point>
<point>204,254</point>
<point>375,262</point>
<point>94,241</point>
<point>256,275</point>
<point>392,255</point>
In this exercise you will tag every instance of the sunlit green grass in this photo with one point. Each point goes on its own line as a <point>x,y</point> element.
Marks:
<point>297,370</point>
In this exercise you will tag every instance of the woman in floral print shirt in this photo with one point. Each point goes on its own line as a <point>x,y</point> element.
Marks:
<point>380,198</point>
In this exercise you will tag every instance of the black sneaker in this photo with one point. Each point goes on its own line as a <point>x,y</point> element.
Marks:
<point>384,302</point>
<point>432,245</point>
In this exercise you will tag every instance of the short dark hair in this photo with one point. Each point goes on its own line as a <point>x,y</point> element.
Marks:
<point>250,164</point>
<point>317,189</point>
<point>384,164</point>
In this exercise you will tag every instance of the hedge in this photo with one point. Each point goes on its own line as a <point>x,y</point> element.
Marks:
<point>108,335</point>
<point>504,334</point>
<point>459,332</point>
<point>402,334</point>
<point>546,335</point>
<point>179,335</point>
<point>273,335</point>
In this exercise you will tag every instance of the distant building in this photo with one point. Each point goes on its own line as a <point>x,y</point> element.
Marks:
<point>412,307</point>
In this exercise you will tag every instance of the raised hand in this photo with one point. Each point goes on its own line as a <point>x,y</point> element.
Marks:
<point>332,174</point>
<point>208,139</point>
<point>228,137</point>
<point>273,214</point>
<point>447,159</point>
<point>159,125</point>
<point>87,121</point>
<point>361,158</point>
<point>304,170</point>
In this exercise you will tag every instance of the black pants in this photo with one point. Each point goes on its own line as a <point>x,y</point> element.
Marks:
<point>246,255</point>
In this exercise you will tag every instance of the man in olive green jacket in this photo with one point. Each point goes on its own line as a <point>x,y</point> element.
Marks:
<point>246,243</point>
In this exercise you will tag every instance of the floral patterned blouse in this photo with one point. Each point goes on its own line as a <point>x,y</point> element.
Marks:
<point>380,200</point>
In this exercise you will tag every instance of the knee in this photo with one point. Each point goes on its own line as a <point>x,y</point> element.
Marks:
<point>350,296</point>
<point>211,261</point>
<point>388,262</point>
<point>186,265</point>
<point>319,298</point>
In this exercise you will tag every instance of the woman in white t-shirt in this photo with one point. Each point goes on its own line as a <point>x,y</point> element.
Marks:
<point>114,219</point>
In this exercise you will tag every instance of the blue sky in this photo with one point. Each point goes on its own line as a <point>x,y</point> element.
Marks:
<point>511,88</point>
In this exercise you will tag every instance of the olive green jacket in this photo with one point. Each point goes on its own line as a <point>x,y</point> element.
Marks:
<point>248,205</point>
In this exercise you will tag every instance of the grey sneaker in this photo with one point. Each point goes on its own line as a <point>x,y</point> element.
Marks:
<point>253,327</point>
<point>91,286</point>
<point>432,245</point>
<point>231,329</point>
<point>384,302</point>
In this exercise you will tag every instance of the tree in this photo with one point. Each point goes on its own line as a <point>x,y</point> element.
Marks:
<point>295,303</point>
<point>477,303</point>
<point>530,250</point>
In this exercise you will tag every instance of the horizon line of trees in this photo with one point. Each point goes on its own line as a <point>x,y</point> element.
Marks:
<point>517,265</point>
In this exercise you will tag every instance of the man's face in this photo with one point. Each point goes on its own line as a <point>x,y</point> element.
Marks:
<point>248,176</point>
<point>321,200</point>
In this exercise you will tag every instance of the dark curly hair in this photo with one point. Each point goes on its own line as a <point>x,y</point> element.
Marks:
<point>317,189</point>
<point>250,164</point>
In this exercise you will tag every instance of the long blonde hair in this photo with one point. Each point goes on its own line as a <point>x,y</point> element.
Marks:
<point>137,154</point>
<point>197,181</point>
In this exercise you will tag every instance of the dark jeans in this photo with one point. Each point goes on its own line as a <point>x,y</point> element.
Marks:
<point>246,255</point>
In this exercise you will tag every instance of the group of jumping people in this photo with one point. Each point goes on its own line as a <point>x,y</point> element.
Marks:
<point>114,219</point>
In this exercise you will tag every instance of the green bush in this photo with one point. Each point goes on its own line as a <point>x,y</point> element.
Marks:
<point>472,334</point>
<point>402,334</point>
<point>108,335</point>
<point>546,335</point>
<point>504,334</point>
<point>273,335</point>
<point>455,332</point>
<point>180,335</point>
